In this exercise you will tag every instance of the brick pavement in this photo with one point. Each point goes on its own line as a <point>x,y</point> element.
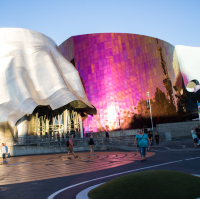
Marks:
<point>35,168</point>
<point>41,175</point>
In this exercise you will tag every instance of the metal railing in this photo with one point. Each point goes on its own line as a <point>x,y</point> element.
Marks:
<point>119,141</point>
<point>38,141</point>
<point>55,142</point>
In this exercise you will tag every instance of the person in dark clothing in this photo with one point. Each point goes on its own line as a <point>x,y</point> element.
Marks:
<point>107,135</point>
<point>50,135</point>
<point>198,131</point>
<point>157,138</point>
<point>92,144</point>
<point>63,139</point>
<point>58,137</point>
<point>150,135</point>
<point>145,130</point>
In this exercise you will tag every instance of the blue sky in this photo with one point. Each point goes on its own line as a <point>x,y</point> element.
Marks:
<point>175,21</point>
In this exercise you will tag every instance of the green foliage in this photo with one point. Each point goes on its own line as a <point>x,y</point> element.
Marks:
<point>150,184</point>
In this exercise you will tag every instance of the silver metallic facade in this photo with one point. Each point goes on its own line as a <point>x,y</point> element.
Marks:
<point>189,62</point>
<point>32,73</point>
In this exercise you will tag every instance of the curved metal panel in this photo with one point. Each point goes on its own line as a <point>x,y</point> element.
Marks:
<point>117,70</point>
<point>32,73</point>
<point>189,62</point>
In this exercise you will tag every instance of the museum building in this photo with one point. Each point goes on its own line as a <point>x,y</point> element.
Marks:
<point>42,91</point>
<point>93,82</point>
<point>117,71</point>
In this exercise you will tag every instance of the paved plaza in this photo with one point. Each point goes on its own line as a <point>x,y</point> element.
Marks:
<point>41,176</point>
<point>43,167</point>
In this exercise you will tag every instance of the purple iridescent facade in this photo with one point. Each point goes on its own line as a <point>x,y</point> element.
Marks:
<point>117,70</point>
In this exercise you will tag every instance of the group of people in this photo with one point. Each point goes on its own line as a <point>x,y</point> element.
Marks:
<point>156,136</point>
<point>4,151</point>
<point>70,147</point>
<point>144,140</point>
<point>196,135</point>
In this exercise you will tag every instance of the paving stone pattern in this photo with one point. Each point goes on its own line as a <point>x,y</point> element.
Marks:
<point>34,168</point>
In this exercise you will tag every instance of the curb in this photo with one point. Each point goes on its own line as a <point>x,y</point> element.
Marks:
<point>84,193</point>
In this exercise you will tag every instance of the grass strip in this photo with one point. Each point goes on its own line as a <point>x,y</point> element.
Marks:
<point>156,184</point>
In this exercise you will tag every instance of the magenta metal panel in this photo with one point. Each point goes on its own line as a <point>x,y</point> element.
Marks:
<point>117,70</point>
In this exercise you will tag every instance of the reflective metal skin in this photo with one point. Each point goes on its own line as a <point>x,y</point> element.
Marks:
<point>32,73</point>
<point>189,62</point>
<point>117,70</point>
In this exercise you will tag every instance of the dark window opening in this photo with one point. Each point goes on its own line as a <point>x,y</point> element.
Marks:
<point>73,62</point>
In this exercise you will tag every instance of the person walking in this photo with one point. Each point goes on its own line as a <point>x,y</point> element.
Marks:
<point>142,140</point>
<point>150,136</point>
<point>197,129</point>
<point>6,152</point>
<point>71,148</point>
<point>157,137</point>
<point>92,144</point>
<point>138,148</point>
<point>46,135</point>
<point>107,134</point>
<point>194,136</point>
<point>3,151</point>
<point>16,140</point>
<point>50,136</point>
<point>58,137</point>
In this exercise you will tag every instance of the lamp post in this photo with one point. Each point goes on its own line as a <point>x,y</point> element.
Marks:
<point>119,120</point>
<point>147,94</point>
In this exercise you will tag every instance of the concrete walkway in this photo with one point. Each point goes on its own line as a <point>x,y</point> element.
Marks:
<point>39,176</point>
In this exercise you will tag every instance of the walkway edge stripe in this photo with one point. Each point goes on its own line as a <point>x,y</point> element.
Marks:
<point>61,190</point>
<point>84,193</point>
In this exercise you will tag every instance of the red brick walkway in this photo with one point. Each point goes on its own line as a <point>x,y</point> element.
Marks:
<point>41,167</point>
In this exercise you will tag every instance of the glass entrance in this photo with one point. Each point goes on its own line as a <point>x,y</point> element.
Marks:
<point>47,127</point>
<point>68,122</point>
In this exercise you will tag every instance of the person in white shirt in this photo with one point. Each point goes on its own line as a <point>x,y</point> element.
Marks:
<point>3,151</point>
<point>6,152</point>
